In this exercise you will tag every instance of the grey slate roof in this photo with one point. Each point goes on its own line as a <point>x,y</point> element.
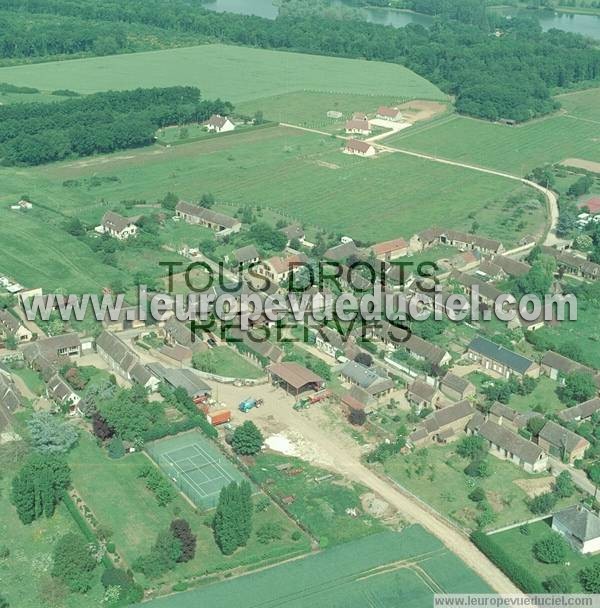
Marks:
<point>514,268</point>
<point>341,252</point>
<point>581,411</point>
<point>504,438</point>
<point>422,390</point>
<point>366,378</point>
<point>207,215</point>
<point>9,321</point>
<point>115,221</point>
<point>500,354</point>
<point>58,389</point>
<point>581,523</point>
<point>185,378</point>
<point>499,409</point>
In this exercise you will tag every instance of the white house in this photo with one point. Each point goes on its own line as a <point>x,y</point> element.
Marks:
<point>359,148</point>
<point>392,114</point>
<point>359,126</point>
<point>117,226</point>
<point>580,527</point>
<point>219,124</point>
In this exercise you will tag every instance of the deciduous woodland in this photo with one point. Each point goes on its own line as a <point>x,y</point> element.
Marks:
<point>103,122</point>
<point>495,71</point>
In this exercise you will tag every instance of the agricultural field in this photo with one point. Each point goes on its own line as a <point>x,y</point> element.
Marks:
<point>436,475</point>
<point>520,547</point>
<point>119,499</point>
<point>234,73</point>
<point>25,574</point>
<point>320,506</point>
<point>572,132</point>
<point>386,569</point>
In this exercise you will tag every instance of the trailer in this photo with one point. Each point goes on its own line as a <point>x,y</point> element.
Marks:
<point>319,396</point>
<point>219,417</point>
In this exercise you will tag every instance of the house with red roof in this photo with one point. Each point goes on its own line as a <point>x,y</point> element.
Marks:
<point>390,250</point>
<point>359,148</point>
<point>392,114</point>
<point>593,204</point>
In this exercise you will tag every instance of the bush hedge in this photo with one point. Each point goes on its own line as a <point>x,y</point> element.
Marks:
<point>519,575</point>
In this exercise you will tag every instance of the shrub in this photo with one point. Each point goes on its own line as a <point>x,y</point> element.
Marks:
<point>296,535</point>
<point>180,586</point>
<point>517,573</point>
<point>564,486</point>
<point>590,578</point>
<point>269,532</point>
<point>551,549</point>
<point>559,583</point>
<point>116,449</point>
<point>543,503</point>
<point>477,494</point>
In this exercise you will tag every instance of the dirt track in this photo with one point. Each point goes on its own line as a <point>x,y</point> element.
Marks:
<point>339,452</point>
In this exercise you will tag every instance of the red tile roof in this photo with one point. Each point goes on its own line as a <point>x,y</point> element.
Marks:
<point>593,204</point>
<point>389,246</point>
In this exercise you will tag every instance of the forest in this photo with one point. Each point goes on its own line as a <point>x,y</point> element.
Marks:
<point>36,133</point>
<point>508,74</point>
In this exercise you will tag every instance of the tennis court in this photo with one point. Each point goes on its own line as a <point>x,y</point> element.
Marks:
<point>195,466</point>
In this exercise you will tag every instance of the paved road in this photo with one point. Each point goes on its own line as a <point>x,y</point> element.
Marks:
<point>551,198</point>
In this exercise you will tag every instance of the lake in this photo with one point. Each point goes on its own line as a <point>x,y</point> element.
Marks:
<point>589,25</point>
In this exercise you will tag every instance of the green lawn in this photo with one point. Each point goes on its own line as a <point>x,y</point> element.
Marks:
<point>514,149</point>
<point>229,72</point>
<point>440,481</point>
<point>119,500</point>
<point>387,569</point>
<point>520,547</point>
<point>25,578</point>
<point>31,378</point>
<point>230,364</point>
<point>319,506</point>
<point>543,396</point>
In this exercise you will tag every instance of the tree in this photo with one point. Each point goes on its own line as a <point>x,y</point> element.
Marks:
<point>590,578</point>
<point>4,602</point>
<point>74,227</point>
<point>578,387</point>
<point>232,523</point>
<point>479,467</point>
<point>100,427</point>
<point>11,342</point>
<point>181,530</point>
<point>357,417</point>
<point>38,487</point>
<point>472,447</point>
<point>535,425</point>
<point>269,532</point>
<point>116,449</point>
<point>50,435</point>
<point>247,439</point>
<point>73,562</point>
<point>593,473</point>
<point>543,503</point>
<point>163,556</point>
<point>207,200</point>
<point>559,583</point>
<point>564,485</point>
<point>364,359</point>
<point>477,494</point>
<point>128,591</point>
<point>551,549</point>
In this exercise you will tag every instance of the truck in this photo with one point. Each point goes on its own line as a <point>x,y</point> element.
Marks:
<point>219,417</point>
<point>247,404</point>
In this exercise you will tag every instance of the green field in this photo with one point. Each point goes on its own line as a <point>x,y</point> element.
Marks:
<point>575,132</point>
<point>389,569</point>
<point>440,481</point>
<point>520,547</point>
<point>543,396</point>
<point>120,500</point>
<point>229,72</point>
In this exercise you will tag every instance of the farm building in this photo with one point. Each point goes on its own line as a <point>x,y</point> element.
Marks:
<point>358,126</point>
<point>561,442</point>
<point>390,250</point>
<point>219,222</point>
<point>341,252</point>
<point>387,113</point>
<point>574,264</point>
<point>293,232</point>
<point>487,294</point>
<point>367,378</point>
<point>261,351</point>
<point>505,416</point>
<point>444,425</point>
<point>500,360</point>
<point>117,226</point>
<point>507,445</point>
<point>422,395</point>
<point>359,148</point>
<point>185,378</point>
<point>461,240</point>
<point>11,325</point>
<point>557,366</point>
<point>219,124</point>
<point>10,397</point>
<point>246,255</point>
<point>294,378</point>
<point>510,267</point>
<point>583,411</point>
<point>580,527</point>
<point>457,388</point>
<point>123,361</point>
